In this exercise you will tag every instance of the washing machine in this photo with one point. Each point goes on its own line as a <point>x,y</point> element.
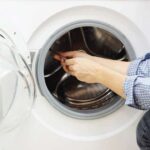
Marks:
<point>41,106</point>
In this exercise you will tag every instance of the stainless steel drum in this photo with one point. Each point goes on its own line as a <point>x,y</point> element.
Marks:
<point>67,89</point>
<point>81,95</point>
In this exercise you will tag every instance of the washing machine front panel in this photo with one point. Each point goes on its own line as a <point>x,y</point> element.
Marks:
<point>17,88</point>
<point>61,23</point>
<point>113,127</point>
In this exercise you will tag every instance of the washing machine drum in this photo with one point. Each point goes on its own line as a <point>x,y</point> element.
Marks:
<point>69,90</point>
<point>81,95</point>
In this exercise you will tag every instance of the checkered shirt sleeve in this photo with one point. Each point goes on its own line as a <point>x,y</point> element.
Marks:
<point>137,83</point>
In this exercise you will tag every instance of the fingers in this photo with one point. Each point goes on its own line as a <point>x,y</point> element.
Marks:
<point>69,69</point>
<point>72,68</point>
<point>66,63</point>
<point>64,66</point>
<point>70,61</point>
<point>65,69</point>
<point>69,66</point>
<point>72,54</point>
<point>57,57</point>
<point>69,54</point>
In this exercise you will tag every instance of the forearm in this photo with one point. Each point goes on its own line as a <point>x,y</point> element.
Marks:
<point>116,65</point>
<point>111,79</point>
<point>134,86</point>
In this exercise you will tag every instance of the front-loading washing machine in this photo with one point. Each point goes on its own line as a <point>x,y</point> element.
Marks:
<point>41,106</point>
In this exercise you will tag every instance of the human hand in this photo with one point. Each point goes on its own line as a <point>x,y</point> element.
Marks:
<point>72,54</point>
<point>80,65</point>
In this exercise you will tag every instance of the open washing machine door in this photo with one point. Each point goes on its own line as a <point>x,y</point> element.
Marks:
<point>17,88</point>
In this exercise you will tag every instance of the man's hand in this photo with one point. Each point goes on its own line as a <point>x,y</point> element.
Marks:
<point>80,65</point>
<point>84,69</point>
<point>72,54</point>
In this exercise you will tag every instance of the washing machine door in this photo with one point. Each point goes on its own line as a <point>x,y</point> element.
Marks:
<point>17,88</point>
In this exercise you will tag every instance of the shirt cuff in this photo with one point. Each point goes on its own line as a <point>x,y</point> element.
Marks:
<point>128,90</point>
<point>133,67</point>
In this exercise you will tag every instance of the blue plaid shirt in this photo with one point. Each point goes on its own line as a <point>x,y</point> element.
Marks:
<point>137,83</point>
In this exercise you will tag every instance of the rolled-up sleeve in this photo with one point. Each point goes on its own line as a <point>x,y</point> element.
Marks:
<point>137,83</point>
<point>137,91</point>
<point>140,66</point>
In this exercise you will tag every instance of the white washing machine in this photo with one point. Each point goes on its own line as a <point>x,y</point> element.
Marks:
<point>37,110</point>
